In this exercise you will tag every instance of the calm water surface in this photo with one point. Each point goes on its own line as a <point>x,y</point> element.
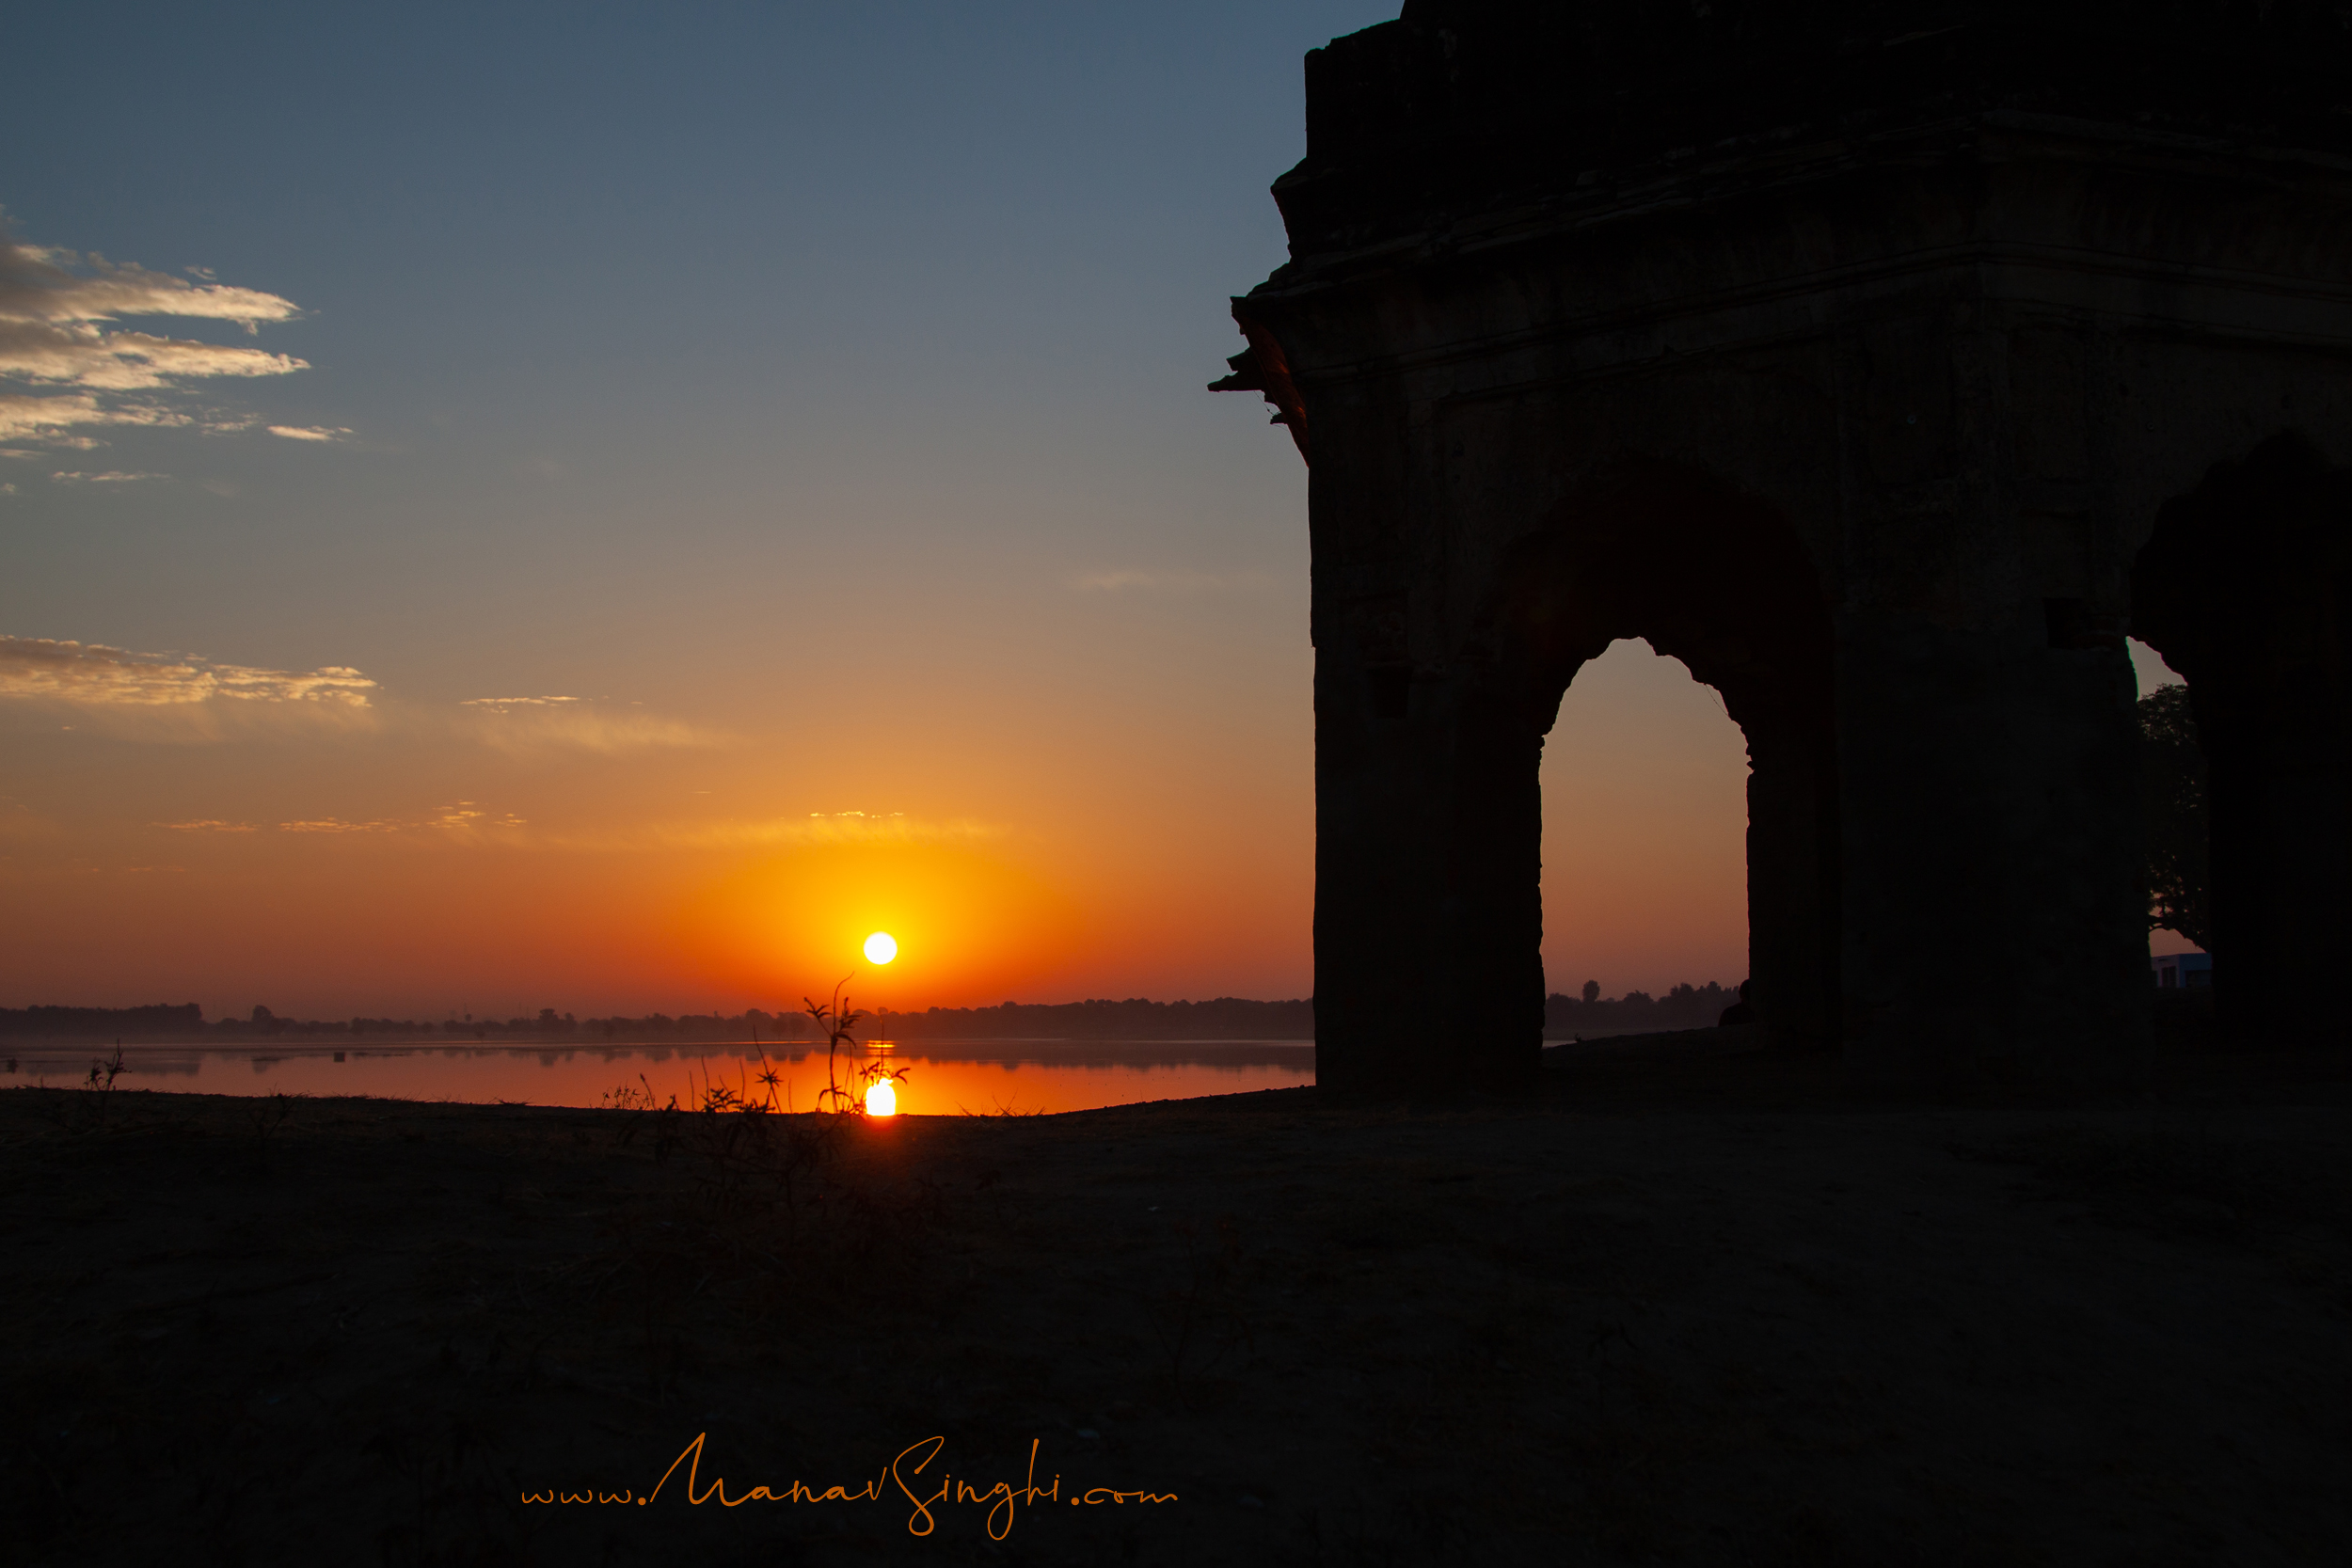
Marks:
<point>943,1077</point>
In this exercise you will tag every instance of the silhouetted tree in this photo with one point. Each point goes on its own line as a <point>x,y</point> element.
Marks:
<point>2172,797</point>
<point>1592,991</point>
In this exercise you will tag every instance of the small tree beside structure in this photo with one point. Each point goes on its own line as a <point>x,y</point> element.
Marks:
<point>2173,799</point>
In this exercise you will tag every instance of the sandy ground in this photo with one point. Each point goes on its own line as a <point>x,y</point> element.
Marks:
<point>1676,1306</point>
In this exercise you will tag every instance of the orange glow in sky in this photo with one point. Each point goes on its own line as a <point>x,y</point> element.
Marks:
<point>291,869</point>
<point>1086,855</point>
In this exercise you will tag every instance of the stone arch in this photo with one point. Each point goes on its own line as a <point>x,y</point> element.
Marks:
<point>1966,354</point>
<point>2244,587</point>
<point>1722,582</point>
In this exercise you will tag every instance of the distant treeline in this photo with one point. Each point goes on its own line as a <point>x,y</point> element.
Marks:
<point>549,1026</point>
<point>1637,1012</point>
<point>90,1022</point>
<point>1226,1018</point>
<point>186,1022</point>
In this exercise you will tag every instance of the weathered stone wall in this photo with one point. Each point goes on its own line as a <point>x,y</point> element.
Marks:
<point>1863,406</point>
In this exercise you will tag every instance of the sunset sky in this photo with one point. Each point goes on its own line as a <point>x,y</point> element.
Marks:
<point>603,507</point>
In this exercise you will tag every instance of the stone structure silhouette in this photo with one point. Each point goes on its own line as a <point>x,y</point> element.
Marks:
<point>1887,363</point>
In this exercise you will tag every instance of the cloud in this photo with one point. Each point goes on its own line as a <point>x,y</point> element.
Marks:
<point>466,824</point>
<point>523,724</point>
<point>465,817</point>
<point>112,476</point>
<point>40,418</point>
<point>95,676</point>
<point>463,821</point>
<point>1116,580</point>
<point>310,432</point>
<point>827,828</point>
<point>56,311</point>
<point>37,284</point>
<point>869,828</point>
<point>86,355</point>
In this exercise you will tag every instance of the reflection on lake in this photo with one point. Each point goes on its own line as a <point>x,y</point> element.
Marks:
<point>944,1078</point>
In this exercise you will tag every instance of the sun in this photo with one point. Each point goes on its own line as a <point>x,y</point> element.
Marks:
<point>880,947</point>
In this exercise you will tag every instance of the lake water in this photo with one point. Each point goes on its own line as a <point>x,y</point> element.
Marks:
<point>943,1077</point>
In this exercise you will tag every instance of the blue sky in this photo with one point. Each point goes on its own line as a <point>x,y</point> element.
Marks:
<point>609,296</point>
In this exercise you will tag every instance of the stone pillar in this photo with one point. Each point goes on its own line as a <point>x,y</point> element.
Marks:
<point>1792,886</point>
<point>2241,587</point>
<point>2279,802</point>
<point>1991,860</point>
<point>1428,908</point>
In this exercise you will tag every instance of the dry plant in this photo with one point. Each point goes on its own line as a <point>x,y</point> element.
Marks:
<point>102,1074</point>
<point>626,1097</point>
<point>89,1107</point>
<point>840,1022</point>
<point>265,1116</point>
<point>1004,1108</point>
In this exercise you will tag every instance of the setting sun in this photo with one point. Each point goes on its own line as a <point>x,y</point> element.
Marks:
<point>881,948</point>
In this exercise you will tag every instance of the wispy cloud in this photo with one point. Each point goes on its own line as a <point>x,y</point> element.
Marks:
<point>1127,578</point>
<point>463,821</point>
<point>57,310</point>
<point>93,675</point>
<point>466,824</point>
<point>872,829</point>
<point>87,356</point>
<point>465,817</point>
<point>310,432</point>
<point>36,283</point>
<point>44,418</point>
<point>112,476</point>
<point>521,724</point>
<point>827,828</point>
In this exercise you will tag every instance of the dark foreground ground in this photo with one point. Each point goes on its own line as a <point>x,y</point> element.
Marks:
<point>1678,1307</point>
